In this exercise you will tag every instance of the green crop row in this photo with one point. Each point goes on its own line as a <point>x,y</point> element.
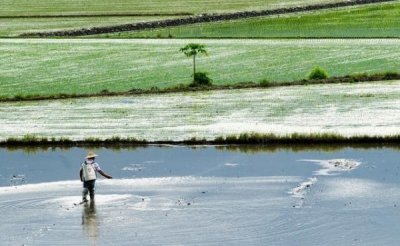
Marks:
<point>48,67</point>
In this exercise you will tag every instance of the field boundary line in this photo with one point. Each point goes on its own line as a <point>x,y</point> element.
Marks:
<point>358,78</point>
<point>94,15</point>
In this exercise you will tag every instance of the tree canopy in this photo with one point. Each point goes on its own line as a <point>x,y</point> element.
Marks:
<point>193,49</point>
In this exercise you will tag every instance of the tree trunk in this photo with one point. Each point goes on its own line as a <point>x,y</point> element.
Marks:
<point>194,66</point>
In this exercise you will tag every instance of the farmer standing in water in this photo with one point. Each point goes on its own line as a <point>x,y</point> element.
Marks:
<point>88,175</point>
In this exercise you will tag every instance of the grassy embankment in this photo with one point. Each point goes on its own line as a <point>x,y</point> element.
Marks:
<point>242,139</point>
<point>371,21</point>
<point>41,67</point>
<point>356,78</point>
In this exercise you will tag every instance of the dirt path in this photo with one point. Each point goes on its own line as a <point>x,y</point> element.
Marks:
<point>197,19</point>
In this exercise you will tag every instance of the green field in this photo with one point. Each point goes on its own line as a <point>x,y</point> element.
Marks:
<point>77,7</point>
<point>46,15</point>
<point>52,66</point>
<point>377,20</point>
<point>12,27</point>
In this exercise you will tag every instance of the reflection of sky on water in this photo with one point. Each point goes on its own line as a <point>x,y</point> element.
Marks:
<point>183,161</point>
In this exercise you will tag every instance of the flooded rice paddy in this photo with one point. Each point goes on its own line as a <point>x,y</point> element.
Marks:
<point>179,195</point>
<point>342,109</point>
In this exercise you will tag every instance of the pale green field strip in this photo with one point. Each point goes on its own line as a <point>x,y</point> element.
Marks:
<point>48,67</point>
<point>63,7</point>
<point>370,109</point>
<point>377,20</point>
<point>12,27</point>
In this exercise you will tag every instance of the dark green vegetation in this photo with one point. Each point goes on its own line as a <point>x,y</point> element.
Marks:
<point>242,139</point>
<point>201,79</point>
<point>314,138</point>
<point>317,73</point>
<point>371,21</point>
<point>204,84</point>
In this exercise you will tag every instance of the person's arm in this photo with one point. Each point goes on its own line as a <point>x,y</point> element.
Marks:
<point>105,174</point>
<point>81,174</point>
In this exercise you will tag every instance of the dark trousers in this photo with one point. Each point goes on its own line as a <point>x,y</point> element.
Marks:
<point>88,187</point>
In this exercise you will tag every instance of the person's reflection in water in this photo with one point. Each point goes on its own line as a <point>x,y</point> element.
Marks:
<point>89,221</point>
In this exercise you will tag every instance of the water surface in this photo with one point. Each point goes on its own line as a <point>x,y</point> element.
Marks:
<point>179,195</point>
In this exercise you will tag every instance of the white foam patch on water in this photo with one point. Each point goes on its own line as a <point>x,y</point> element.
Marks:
<point>334,166</point>
<point>133,168</point>
<point>301,189</point>
<point>231,164</point>
<point>49,187</point>
<point>142,182</point>
<point>329,168</point>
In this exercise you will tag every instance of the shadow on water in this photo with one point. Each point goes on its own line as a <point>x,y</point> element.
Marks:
<point>252,149</point>
<point>90,222</point>
<point>42,149</point>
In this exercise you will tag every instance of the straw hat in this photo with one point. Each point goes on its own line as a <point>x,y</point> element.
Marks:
<point>91,154</point>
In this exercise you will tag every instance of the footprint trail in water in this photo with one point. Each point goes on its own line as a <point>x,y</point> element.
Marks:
<point>328,168</point>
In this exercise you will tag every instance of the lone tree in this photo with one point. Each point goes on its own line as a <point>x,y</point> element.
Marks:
<point>193,50</point>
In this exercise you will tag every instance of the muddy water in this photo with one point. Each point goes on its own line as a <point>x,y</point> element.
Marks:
<point>177,195</point>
